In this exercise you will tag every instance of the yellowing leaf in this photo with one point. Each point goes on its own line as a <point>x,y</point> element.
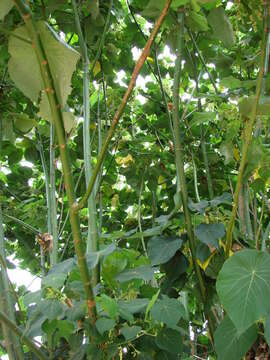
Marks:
<point>160,179</point>
<point>115,200</point>
<point>151,60</point>
<point>124,160</point>
<point>207,261</point>
<point>236,154</point>
<point>97,68</point>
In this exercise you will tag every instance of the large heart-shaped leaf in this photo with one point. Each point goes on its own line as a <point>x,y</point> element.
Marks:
<point>170,340</point>
<point>27,76</point>
<point>221,26</point>
<point>210,233</point>
<point>162,249</point>
<point>5,7</point>
<point>169,311</point>
<point>243,286</point>
<point>229,343</point>
<point>145,273</point>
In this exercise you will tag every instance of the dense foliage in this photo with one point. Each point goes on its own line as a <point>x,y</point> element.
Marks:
<point>166,256</point>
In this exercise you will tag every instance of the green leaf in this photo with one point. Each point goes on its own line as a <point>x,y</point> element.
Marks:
<point>24,68</point>
<point>229,343</point>
<point>221,26</point>
<point>130,332</point>
<point>5,7</point>
<point>133,306</point>
<point>168,311</point>
<point>63,267</point>
<point>209,234</point>
<point>161,249</point>
<point>226,150</point>
<point>198,207</point>
<point>246,106</point>
<point>54,280</point>
<point>109,305</point>
<point>243,286</point>
<point>104,324</point>
<point>170,340</point>
<point>153,8</point>
<point>231,82</point>
<point>177,3</point>
<point>225,198</point>
<point>145,273</point>
<point>93,257</point>
<point>52,309</point>
<point>23,122</point>
<point>267,329</point>
<point>197,22</point>
<point>202,118</point>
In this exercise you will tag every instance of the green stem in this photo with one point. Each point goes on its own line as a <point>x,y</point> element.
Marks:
<point>202,61</point>
<point>25,339</point>
<point>64,154</point>
<point>53,212</point>
<point>248,134</point>
<point>179,153</point>
<point>123,103</point>
<point>247,213</point>
<point>92,231</point>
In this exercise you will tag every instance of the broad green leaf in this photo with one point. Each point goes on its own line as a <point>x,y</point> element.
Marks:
<point>231,82</point>
<point>145,273</point>
<point>104,324</point>
<point>198,207</point>
<point>23,122</point>
<point>243,286</point>
<point>222,28</point>
<point>133,306</point>
<point>5,7</point>
<point>209,234</point>
<point>267,329</point>
<point>54,280</point>
<point>161,249</point>
<point>170,340</point>
<point>109,305</point>
<point>24,68</point>
<point>246,106</point>
<point>153,8</point>
<point>168,311</point>
<point>225,198</point>
<point>93,257</point>
<point>32,298</point>
<point>130,332</point>
<point>202,118</point>
<point>229,343</point>
<point>52,309</point>
<point>226,150</point>
<point>197,22</point>
<point>177,3</point>
<point>63,267</point>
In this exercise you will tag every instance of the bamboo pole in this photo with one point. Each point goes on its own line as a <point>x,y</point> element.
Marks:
<point>48,84</point>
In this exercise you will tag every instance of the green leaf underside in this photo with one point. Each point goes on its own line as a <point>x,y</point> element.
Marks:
<point>5,7</point>
<point>229,343</point>
<point>221,26</point>
<point>27,75</point>
<point>209,234</point>
<point>243,286</point>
